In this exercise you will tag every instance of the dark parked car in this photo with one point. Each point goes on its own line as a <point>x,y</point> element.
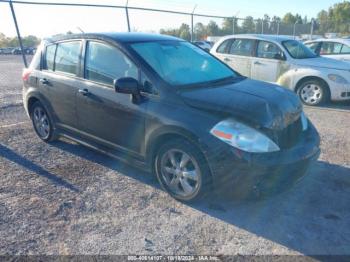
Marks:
<point>27,51</point>
<point>7,50</point>
<point>164,104</point>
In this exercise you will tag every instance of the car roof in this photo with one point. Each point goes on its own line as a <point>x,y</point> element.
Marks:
<point>340,40</point>
<point>118,37</point>
<point>273,38</point>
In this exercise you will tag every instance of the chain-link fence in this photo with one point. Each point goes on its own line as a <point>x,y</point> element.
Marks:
<point>194,26</point>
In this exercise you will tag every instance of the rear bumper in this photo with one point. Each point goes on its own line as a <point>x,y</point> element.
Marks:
<point>241,173</point>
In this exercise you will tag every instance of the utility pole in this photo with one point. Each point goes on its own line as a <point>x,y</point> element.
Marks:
<point>192,26</point>
<point>18,34</point>
<point>294,28</point>
<point>127,15</point>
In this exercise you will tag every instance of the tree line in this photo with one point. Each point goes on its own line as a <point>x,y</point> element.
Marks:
<point>28,41</point>
<point>336,20</point>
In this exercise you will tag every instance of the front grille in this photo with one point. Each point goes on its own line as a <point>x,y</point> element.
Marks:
<point>289,136</point>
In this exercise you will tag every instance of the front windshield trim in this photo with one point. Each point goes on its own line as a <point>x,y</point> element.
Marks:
<point>285,47</point>
<point>230,76</point>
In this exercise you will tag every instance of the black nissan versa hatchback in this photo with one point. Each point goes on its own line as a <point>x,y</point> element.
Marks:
<point>164,104</point>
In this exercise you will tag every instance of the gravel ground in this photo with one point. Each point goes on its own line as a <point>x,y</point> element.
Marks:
<point>63,198</point>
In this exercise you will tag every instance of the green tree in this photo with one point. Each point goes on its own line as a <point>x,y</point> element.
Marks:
<point>31,41</point>
<point>322,22</point>
<point>213,29</point>
<point>227,26</point>
<point>289,18</point>
<point>248,25</point>
<point>339,15</point>
<point>200,31</point>
<point>184,32</point>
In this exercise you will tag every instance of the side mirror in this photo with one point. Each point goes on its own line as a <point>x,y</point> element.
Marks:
<point>126,85</point>
<point>279,56</point>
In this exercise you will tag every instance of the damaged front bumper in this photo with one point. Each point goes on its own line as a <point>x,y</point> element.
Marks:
<point>243,174</point>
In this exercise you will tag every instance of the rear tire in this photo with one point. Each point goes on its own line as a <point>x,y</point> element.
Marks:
<point>182,170</point>
<point>313,92</point>
<point>42,122</point>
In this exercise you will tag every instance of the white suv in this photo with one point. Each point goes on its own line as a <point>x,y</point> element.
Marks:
<point>288,63</point>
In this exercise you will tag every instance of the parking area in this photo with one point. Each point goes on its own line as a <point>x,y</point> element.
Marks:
<point>63,198</point>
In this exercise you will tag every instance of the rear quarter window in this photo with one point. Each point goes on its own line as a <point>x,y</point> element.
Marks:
<point>223,47</point>
<point>50,57</point>
<point>345,49</point>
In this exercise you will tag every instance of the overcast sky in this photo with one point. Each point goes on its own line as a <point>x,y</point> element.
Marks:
<point>48,20</point>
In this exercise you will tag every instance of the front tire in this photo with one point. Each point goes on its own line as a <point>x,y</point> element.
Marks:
<point>182,170</point>
<point>313,92</point>
<point>42,122</point>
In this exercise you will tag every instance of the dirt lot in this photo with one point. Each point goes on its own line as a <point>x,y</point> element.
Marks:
<point>65,199</point>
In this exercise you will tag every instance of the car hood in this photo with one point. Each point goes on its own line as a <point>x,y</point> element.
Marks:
<point>258,103</point>
<point>323,62</point>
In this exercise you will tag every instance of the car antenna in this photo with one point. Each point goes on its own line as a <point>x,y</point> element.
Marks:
<point>81,30</point>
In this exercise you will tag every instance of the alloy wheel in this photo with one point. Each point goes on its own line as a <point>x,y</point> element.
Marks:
<point>41,122</point>
<point>311,94</point>
<point>180,173</point>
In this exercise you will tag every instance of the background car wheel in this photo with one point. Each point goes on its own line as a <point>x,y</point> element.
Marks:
<point>313,92</point>
<point>42,123</point>
<point>182,170</point>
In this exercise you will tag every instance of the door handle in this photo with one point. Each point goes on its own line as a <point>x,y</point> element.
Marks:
<point>257,63</point>
<point>227,59</point>
<point>84,91</point>
<point>44,81</point>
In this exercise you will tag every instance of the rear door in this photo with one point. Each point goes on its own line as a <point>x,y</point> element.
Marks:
<point>269,62</point>
<point>237,54</point>
<point>104,115</point>
<point>58,80</point>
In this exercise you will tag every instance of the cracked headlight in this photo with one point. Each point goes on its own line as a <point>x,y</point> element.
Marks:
<point>243,137</point>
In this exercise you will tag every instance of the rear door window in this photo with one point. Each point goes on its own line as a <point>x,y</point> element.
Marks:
<point>222,49</point>
<point>242,47</point>
<point>330,48</point>
<point>67,57</point>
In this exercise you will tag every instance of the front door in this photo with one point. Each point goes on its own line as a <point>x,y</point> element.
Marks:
<point>103,114</point>
<point>269,62</point>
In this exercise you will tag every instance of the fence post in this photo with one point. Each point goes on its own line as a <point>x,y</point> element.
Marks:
<point>312,28</point>
<point>278,28</point>
<point>234,25</point>
<point>192,30</point>
<point>192,27</point>
<point>294,28</point>
<point>18,34</point>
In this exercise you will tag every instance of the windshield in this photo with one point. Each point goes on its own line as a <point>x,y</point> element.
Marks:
<point>181,63</point>
<point>298,50</point>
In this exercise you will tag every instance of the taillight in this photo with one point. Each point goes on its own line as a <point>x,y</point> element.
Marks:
<point>26,73</point>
